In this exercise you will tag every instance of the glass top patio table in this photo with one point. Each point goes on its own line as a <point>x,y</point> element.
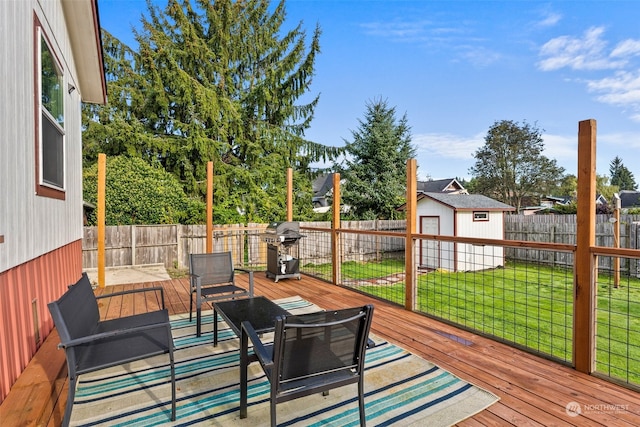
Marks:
<point>259,311</point>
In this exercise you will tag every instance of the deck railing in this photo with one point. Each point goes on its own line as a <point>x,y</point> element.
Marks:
<point>473,284</point>
<point>519,292</point>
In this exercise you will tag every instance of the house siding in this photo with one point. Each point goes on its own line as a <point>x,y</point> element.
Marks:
<point>30,287</point>
<point>34,225</point>
<point>472,257</point>
<point>446,218</point>
<point>41,244</point>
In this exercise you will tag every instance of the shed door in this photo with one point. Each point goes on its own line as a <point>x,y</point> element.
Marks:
<point>430,249</point>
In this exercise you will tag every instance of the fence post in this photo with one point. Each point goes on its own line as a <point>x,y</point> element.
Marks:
<point>585,266</point>
<point>178,246</point>
<point>133,244</point>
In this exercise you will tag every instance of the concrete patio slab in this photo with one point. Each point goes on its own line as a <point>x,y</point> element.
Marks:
<point>130,274</point>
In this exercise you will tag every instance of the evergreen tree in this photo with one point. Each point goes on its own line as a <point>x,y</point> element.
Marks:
<point>510,166</point>
<point>215,81</point>
<point>375,172</point>
<point>621,176</point>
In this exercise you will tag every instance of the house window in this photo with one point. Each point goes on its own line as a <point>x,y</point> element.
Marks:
<point>50,136</point>
<point>481,216</point>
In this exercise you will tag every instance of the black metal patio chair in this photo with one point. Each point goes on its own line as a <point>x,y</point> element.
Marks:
<point>91,344</point>
<point>311,353</point>
<point>212,278</point>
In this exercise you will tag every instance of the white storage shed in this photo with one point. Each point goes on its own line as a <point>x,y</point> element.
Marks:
<point>463,215</point>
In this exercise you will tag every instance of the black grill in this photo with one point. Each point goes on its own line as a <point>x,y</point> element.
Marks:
<point>282,250</point>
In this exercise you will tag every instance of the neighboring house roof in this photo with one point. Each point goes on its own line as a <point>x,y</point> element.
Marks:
<point>449,185</point>
<point>629,199</point>
<point>601,200</point>
<point>322,184</point>
<point>467,201</point>
<point>83,25</point>
<point>560,200</point>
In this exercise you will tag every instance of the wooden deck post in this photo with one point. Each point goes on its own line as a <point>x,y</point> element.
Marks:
<point>336,255</point>
<point>209,244</point>
<point>409,252</point>
<point>101,215</point>
<point>289,194</point>
<point>585,265</point>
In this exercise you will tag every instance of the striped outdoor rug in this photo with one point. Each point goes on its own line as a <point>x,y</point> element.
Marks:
<point>401,389</point>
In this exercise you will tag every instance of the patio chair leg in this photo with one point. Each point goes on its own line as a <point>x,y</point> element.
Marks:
<point>70,398</point>
<point>215,326</point>
<point>190,307</point>
<point>198,322</point>
<point>173,385</point>
<point>273,411</point>
<point>363,418</point>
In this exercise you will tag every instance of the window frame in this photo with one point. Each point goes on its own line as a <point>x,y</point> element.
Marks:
<point>47,189</point>
<point>476,215</point>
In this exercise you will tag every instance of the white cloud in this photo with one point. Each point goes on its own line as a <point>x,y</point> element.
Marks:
<point>626,140</point>
<point>447,145</point>
<point>403,30</point>
<point>562,148</point>
<point>590,52</point>
<point>628,47</point>
<point>621,89</point>
<point>481,57</point>
<point>585,53</point>
<point>550,19</point>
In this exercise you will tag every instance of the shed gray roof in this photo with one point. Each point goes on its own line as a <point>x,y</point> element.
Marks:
<point>467,201</point>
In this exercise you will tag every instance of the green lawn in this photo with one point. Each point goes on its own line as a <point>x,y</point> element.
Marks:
<point>526,304</point>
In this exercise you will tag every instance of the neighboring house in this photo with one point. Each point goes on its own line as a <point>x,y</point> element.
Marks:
<point>463,215</point>
<point>50,62</point>
<point>551,201</point>
<point>547,205</point>
<point>629,199</point>
<point>449,185</point>
<point>322,187</point>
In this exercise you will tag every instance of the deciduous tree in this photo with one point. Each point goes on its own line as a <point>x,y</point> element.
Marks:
<point>511,166</point>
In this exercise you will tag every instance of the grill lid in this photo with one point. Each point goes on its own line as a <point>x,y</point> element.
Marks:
<point>282,232</point>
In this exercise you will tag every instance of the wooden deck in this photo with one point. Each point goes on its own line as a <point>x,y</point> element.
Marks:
<point>533,391</point>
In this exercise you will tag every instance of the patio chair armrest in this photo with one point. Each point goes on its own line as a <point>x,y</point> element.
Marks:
<point>259,349</point>
<point>133,291</point>
<point>110,334</point>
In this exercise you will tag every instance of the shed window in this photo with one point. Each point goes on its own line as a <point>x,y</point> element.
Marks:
<point>481,216</point>
<point>50,135</point>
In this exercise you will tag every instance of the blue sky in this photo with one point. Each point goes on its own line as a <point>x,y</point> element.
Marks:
<point>457,67</point>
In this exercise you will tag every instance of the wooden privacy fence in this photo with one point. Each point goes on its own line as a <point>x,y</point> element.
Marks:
<point>171,244</point>
<point>561,229</point>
